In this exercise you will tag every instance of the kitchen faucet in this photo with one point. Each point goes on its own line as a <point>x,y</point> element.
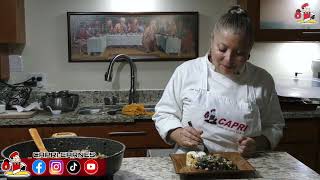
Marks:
<point>108,74</point>
<point>296,74</point>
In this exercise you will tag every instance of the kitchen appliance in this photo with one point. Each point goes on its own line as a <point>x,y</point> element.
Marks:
<point>315,66</point>
<point>61,100</point>
<point>113,150</point>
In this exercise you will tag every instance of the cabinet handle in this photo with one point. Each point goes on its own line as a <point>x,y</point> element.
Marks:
<point>313,32</point>
<point>127,133</point>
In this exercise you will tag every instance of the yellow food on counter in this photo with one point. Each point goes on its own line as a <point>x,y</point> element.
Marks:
<point>135,109</point>
<point>192,157</point>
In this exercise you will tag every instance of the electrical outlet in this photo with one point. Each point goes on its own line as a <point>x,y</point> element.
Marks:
<point>40,78</point>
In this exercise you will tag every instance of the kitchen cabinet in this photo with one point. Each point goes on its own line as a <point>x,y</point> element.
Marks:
<point>12,33</point>
<point>12,20</point>
<point>301,137</point>
<point>137,137</point>
<point>301,140</point>
<point>275,20</point>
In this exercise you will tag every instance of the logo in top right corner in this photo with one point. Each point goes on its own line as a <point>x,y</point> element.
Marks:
<point>305,15</point>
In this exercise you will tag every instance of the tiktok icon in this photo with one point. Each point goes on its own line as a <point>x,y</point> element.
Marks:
<point>73,167</point>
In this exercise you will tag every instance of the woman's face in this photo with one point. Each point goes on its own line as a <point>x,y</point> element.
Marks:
<point>229,52</point>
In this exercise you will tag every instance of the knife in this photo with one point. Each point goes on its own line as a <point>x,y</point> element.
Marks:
<point>205,149</point>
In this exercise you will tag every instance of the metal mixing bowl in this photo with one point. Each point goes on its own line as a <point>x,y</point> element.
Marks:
<point>64,102</point>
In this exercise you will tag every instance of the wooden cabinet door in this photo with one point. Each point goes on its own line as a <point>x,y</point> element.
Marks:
<point>266,34</point>
<point>300,139</point>
<point>137,137</point>
<point>12,21</point>
<point>300,131</point>
<point>133,135</point>
<point>10,136</point>
<point>306,153</point>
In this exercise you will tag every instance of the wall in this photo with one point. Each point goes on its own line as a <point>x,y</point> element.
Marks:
<point>283,59</point>
<point>46,48</point>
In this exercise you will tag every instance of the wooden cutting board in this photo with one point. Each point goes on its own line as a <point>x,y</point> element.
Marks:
<point>245,169</point>
<point>13,114</point>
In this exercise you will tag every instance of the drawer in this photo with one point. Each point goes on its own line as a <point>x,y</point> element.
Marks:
<point>10,136</point>
<point>305,153</point>
<point>141,135</point>
<point>300,131</point>
<point>133,135</point>
<point>135,153</point>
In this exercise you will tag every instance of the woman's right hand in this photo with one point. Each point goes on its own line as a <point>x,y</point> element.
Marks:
<point>187,136</point>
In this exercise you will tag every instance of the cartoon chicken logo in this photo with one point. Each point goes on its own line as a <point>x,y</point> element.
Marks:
<point>14,167</point>
<point>304,15</point>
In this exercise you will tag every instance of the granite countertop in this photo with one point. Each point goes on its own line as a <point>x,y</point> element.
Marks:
<point>268,165</point>
<point>302,114</point>
<point>67,118</point>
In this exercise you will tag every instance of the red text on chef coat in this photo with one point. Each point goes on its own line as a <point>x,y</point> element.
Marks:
<point>233,125</point>
<point>238,127</point>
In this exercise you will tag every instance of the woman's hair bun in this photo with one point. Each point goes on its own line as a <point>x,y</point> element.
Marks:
<point>237,10</point>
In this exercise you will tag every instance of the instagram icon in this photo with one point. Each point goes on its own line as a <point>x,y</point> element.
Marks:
<point>56,167</point>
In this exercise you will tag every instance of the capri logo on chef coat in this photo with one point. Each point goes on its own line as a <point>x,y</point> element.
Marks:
<point>210,116</point>
<point>228,124</point>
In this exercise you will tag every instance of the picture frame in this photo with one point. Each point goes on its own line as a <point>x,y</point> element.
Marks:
<point>143,36</point>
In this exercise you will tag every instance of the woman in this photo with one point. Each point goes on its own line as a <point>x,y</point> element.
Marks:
<point>232,104</point>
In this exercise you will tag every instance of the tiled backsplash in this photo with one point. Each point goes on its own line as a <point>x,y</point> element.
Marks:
<point>97,97</point>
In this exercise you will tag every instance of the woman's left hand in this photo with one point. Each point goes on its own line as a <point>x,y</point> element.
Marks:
<point>247,146</point>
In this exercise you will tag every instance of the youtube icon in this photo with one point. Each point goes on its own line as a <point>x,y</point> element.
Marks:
<point>91,167</point>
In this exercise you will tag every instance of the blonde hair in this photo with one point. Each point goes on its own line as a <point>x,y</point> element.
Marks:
<point>237,21</point>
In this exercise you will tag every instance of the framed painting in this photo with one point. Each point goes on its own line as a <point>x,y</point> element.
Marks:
<point>143,36</point>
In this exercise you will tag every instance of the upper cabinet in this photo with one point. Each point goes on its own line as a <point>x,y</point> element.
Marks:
<point>12,20</point>
<point>285,20</point>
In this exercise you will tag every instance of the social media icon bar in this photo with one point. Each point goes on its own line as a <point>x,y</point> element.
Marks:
<point>56,167</point>
<point>91,167</point>
<point>73,167</point>
<point>38,167</point>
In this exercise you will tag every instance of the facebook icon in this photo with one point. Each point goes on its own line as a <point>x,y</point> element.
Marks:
<point>38,167</point>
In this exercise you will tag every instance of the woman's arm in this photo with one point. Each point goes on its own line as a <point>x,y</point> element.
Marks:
<point>168,111</point>
<point>272,121</point>
<point>248,145</point>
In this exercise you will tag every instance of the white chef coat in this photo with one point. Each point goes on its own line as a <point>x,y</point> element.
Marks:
<point>197,76</point>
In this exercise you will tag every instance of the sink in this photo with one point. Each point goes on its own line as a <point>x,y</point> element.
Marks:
<point>149,107</point>
<point>108,109</point>
<point>89,110</point>
<point>298,87</point>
